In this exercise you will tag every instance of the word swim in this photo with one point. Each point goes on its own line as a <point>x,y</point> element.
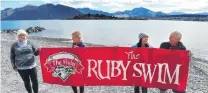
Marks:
<point>140,69</point>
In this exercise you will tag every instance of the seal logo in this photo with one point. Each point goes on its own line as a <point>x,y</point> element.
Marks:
<point>63,65</point>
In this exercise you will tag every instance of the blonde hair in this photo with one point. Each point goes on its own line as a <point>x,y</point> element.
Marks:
<point>76,34</point>
<point>21,31</point>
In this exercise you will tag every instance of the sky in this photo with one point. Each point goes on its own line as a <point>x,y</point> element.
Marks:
<point>187,6</point>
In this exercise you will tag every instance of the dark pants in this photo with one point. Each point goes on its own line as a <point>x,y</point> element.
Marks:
<point>27,76</point>
<point>175,91</point>
<point>74,88</point>
<point>136,89</point>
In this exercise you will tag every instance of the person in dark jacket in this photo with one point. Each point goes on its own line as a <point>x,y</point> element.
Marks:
<point>76,38</point>
<point>143,42</point>
<point>22,57</point>
<point>174,44</point>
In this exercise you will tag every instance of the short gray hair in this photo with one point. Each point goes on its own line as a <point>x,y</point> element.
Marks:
<point>178,34</point>
<point>77,33</point>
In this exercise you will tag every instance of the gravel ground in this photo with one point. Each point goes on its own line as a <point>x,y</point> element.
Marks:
<point>12,83</point>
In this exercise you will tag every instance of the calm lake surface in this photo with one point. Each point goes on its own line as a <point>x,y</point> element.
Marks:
<point>121,32</point>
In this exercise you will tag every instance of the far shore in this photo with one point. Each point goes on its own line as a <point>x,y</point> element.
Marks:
<point>118,19</point>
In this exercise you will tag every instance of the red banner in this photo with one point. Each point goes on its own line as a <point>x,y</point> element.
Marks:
<point>115,66</point>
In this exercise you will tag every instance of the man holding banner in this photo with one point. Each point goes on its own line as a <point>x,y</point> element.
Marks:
<point>173,44</point>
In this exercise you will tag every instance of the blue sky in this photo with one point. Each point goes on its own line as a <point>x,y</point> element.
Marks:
<point>188,6</point>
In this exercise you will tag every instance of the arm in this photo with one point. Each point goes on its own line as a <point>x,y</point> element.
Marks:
<point>189,52</point>
<point>81,44</point>
<point>165,45</point>
<point>183,47</point>
<point>35,50</point>
<point>12,57</point>
<point>162,45</point>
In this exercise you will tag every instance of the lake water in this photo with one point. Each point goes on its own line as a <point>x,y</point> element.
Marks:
<point>121,32</point>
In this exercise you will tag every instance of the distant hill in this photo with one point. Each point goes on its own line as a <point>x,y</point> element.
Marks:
<point>175,13</point>
<point>46,11</point>
<point>160,13</point>
<point>137,12</point>
<point>91,11</point>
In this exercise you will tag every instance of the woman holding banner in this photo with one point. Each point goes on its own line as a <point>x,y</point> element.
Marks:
<point>22,57</point>
<point>76,38</point>
<point>143,42</point>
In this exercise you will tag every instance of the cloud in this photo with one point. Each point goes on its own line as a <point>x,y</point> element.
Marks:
<point>112,5</point>
<point>48,1</point>
<point>191,6</point>
<point>116,9</point>
<point>188,5</point>
<point>78,4</point>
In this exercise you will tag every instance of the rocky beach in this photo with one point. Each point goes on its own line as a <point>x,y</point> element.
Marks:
<point>11,81</point>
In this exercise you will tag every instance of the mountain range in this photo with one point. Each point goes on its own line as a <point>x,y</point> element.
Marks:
<point>91,11</point>
<point>47,11</point>
<point>51,11</point>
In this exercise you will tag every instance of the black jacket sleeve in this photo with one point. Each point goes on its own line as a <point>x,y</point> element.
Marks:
<point>182,46</point>
<point>12,56</point>
<point>164,45</point>
<point>35,50</point>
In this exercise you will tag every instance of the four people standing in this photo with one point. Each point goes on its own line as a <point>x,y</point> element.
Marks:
<point>23,54</point>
